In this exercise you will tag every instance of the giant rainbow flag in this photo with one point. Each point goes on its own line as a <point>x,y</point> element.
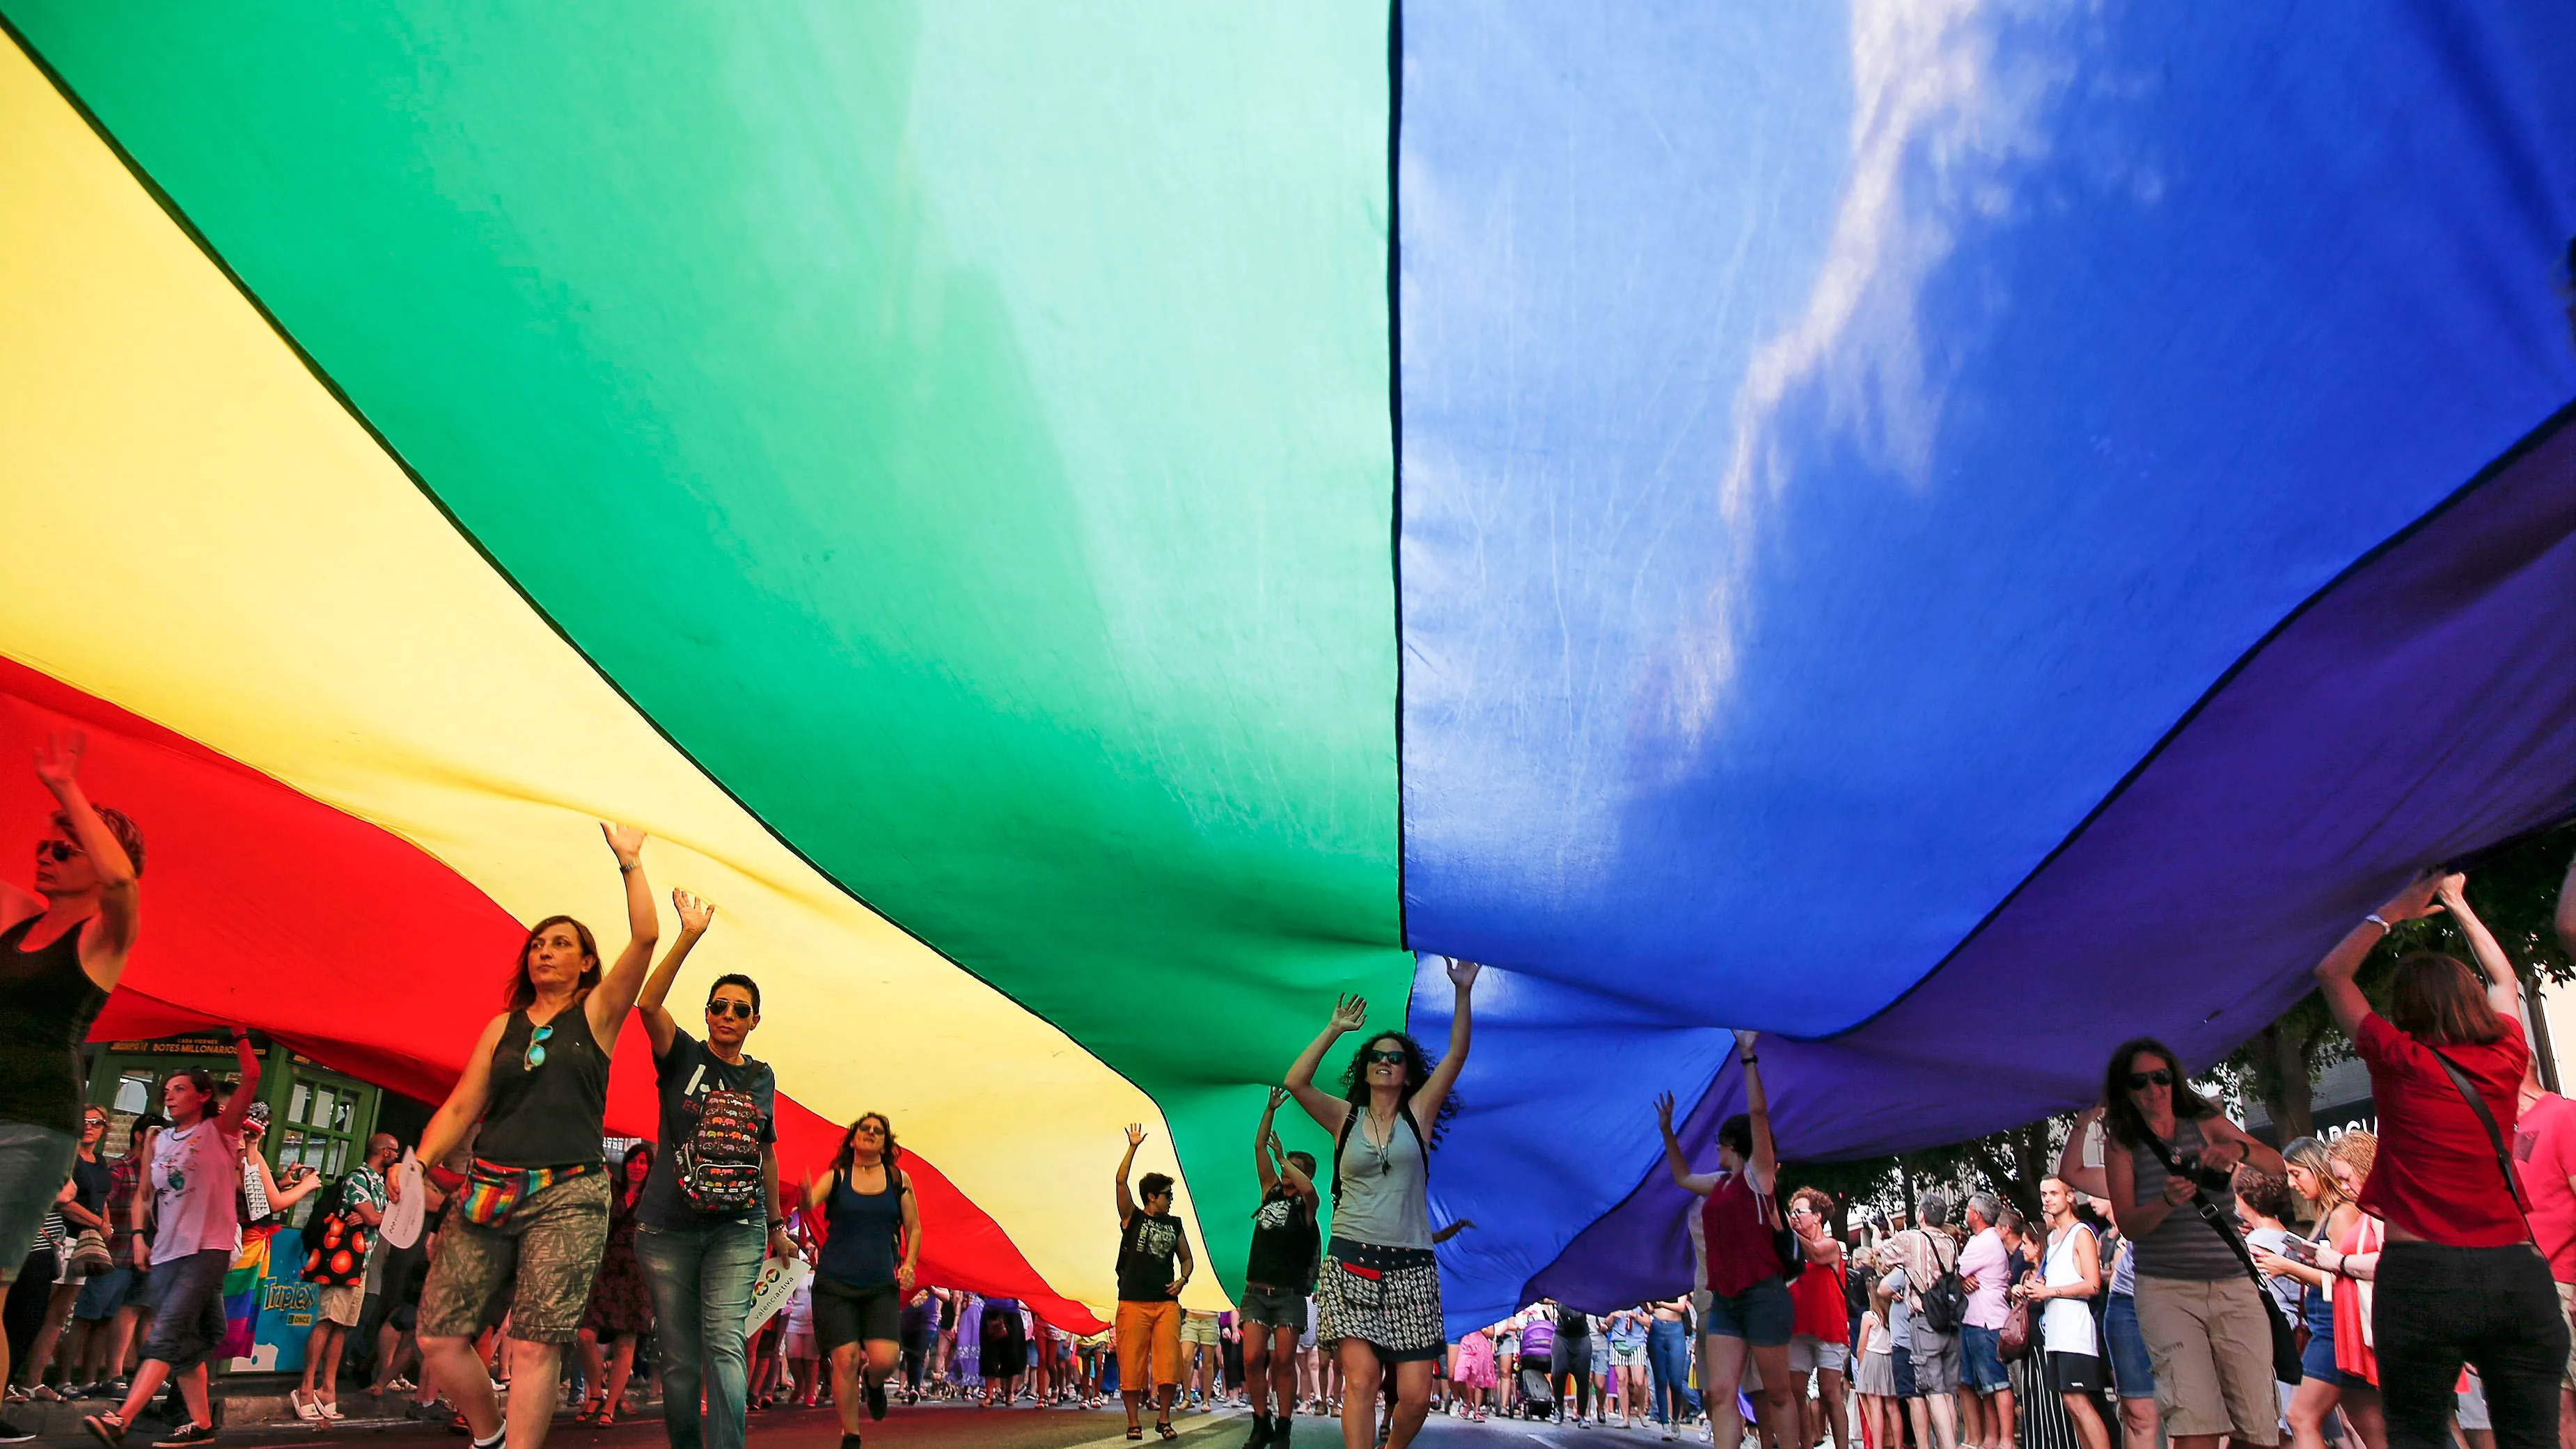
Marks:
<point>1949,531</point>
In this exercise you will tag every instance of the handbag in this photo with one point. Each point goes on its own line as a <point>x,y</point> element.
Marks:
<point>2285,1343</point>
<point>89,1255</point>
<point>2012,1341</point>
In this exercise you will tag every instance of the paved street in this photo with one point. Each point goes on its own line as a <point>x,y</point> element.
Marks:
<point>933,1425</point>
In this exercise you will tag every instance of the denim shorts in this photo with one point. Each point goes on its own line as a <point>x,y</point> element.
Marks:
<point>107,1292</point>
<point>1761,1315</point>
<point>188,1308</point>
<point>2133,1374</point>
<point>35,1162</point>
<point>1982,1359</point>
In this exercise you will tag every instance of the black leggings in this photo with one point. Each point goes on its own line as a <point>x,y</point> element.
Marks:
<point>2494,1308</point>
<point>1573,1359</point>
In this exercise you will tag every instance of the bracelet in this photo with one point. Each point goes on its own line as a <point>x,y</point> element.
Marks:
<point>629,867</point>
<point>2377,920</point>
<point>1748,1061</point>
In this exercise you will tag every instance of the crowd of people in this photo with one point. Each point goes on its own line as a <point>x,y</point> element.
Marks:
<point>2186,1281</point>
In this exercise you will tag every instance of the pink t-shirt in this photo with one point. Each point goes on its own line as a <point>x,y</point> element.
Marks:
<point>2544,1156</point>
<point>194,1171</point>
<point>1985,1260</point>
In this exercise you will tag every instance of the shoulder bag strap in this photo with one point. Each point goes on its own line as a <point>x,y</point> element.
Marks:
<point>2495,1135</point>
<point>2209,1214</point>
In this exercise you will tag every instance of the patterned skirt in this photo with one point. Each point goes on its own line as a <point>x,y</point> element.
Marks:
<point>1388,1298</point>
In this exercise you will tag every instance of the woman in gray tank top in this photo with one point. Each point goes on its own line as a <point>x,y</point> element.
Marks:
<point>2206,1325</point>
<point>1379,1292</point>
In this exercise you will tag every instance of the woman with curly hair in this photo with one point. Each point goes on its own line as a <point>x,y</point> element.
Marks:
<point>1380,1289</point>
<point>871,1250</point>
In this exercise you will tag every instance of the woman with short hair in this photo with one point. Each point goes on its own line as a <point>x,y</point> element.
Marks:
<point>188,1228</point>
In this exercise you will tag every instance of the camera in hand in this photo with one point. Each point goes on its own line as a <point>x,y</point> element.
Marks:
<point>2208,1178</point>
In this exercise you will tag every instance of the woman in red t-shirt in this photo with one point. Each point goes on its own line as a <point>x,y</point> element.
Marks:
<point>2458,1279</point>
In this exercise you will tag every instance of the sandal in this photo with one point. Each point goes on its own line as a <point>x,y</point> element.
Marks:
<point>1135,1433</point>
<point>1164,1428</point>
<point>607,1414</point>
<point>590,1408</point>
<point>107,1428</point>
<point>309,1410</point>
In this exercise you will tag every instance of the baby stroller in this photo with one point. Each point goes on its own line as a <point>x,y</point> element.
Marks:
<point>1538,1396</point>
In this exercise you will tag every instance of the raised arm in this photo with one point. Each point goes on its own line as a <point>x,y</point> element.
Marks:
<point>465,1101</point>
<point>2070,1158</point>
<point>695,916</point>
<point>616,990</point>
<point>1700,1183</point>
<point>911,1265</point>
<point>229,1122</point>
<point>1297,1181</point>
<point>106,940</point>
<point>1434,1093</point>
<point>1263,1140</point>
<point>1126,1199</point>
<point>2335,973</point>
<point>2504,988</point>
<point>1350,1013</point>
<point>1763,1167</point>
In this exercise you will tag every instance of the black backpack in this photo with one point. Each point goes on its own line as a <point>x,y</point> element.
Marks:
<point>1945,1301</point>
<point>1351,1122</point>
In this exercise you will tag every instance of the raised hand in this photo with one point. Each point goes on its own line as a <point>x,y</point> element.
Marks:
<point>1350,1013</point>
<point>2416,900</point>
<point>1277,1096</point>
<point>696,913</point>
<point>1744,1042</point>
<point>2448,890</point>
<point>1135,1134</point>
<point>1462,974</point>
<point>626,841</point>
<point>58,760</point>
<point>1664,1110</point>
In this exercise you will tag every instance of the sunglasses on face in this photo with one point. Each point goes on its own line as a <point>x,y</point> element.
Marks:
<point>56,851</point>
<point>1389,1054</point>
<point>738,1010</point>
<point>2140,1081</point>
<point>536,1056</point>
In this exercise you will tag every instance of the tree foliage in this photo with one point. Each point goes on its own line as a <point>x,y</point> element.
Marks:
<point>2514,890</point>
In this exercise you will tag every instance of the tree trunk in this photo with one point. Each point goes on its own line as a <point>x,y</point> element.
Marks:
<point>2292,1102</point>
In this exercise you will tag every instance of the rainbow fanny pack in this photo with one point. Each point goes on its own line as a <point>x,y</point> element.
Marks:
<point>493,1192</point>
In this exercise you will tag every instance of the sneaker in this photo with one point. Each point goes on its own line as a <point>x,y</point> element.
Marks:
<point>876,1401</point>
<point>13,1434</point>
<point>186,1434</point>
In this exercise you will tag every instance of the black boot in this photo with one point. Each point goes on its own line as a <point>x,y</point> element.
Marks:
<point>1261,1432</point>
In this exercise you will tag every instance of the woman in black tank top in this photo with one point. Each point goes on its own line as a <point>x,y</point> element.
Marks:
<point>62,948</point>
<point>525,1233</point>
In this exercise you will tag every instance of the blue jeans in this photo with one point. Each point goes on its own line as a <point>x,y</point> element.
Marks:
<point>701,1280</point>
<point>1668,1357</point>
